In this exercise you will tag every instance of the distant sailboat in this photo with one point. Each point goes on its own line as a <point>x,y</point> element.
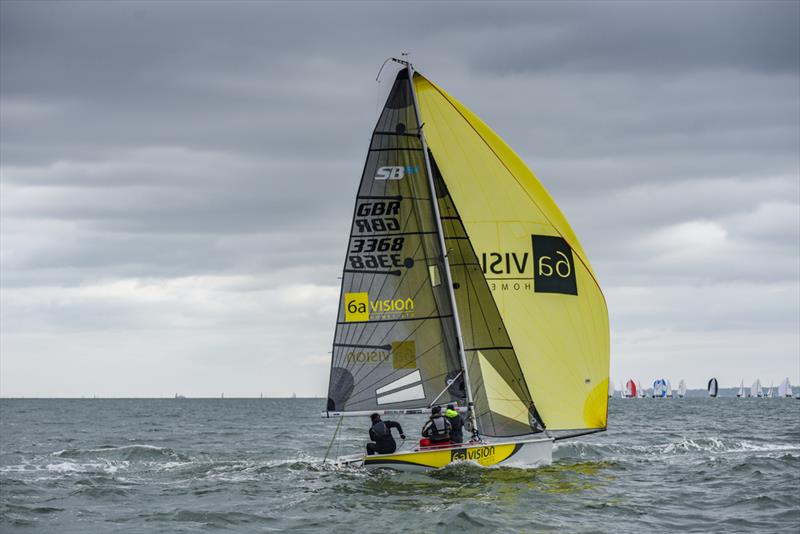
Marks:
<point>713,387</point>
<point>769,391</point>
<point>669,389</point>
<point>660,388</point>
<point>682,389</point>
<point>611,389</point>
<point>630,390</point>
<point>641,391</point>
<point>742,392</point>
<point>755,389</point>
<point>785,388</point>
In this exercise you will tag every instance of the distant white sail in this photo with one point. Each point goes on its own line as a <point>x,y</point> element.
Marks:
<point>755,389</point>
<point>769,391</point>
<point>669,389</point>
<point>611,388</point>
<point>682,388</point>
<point>785,389</point>
<point>642,393</point>
<point>741,393</point>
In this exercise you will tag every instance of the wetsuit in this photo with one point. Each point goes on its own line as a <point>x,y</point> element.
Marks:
<point>457,426</point>
<point>437,429</point>
<point>381,434</point>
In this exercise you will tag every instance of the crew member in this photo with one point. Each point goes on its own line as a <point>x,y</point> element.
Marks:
<point>381,435</point>
<point>436,429</point>
<point>456,424</point>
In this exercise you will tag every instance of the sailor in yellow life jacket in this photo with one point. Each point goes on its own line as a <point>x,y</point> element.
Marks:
<point>456,424</point>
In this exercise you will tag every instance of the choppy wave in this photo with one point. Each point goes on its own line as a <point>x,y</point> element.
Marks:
<point>125,452</point>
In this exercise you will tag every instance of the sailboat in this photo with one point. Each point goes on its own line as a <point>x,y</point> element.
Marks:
<point>611,389</point>
<point>682,389</point>
<point>641,390</point>
<point>630,389</point>
<point>742,392</point>
<point>713,387</point>
<point>769,391</point>
<point>785,388</point>
<point>755,389</point>
<point>660,388</point>
<point>669,389</point>
<point>464,284</point>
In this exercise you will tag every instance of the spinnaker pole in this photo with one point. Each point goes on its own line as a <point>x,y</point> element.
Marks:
<point>448,277</point>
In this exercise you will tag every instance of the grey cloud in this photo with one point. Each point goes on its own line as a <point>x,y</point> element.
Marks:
<point>656,37</point>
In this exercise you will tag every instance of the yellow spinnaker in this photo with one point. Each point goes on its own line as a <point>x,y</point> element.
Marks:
<point>545,289</point>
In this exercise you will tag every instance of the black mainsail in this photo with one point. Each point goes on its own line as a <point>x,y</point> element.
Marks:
<point>395,342</point>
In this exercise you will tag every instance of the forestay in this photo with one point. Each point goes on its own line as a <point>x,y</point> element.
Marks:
<point>503,403</point>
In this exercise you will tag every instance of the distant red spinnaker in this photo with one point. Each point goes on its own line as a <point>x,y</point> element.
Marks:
<point>630,388</point>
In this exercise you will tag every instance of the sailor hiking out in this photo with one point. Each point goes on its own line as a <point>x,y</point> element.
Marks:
<point>436,430</point>
<point>381,434</point>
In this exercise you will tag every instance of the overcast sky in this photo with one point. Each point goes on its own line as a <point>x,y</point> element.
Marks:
<point>178,178</point>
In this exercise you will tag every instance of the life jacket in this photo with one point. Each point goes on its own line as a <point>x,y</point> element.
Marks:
<point>438,429</point>
<point>456,422</point>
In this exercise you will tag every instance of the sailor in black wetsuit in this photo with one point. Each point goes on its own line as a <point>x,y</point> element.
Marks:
<point>381,434</point>
<point>456,424</point>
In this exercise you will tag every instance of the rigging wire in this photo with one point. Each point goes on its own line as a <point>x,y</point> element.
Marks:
<point>335,432</point>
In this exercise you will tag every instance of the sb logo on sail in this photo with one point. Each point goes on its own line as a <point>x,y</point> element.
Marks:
<point>554,268</point>
<point>394,173</point>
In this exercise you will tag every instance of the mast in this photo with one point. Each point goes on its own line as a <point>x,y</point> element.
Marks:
<point>440,233</point>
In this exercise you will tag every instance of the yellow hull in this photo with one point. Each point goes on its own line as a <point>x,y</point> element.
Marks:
<point>529,453</point>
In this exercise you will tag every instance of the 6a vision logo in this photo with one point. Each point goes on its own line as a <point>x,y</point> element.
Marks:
<point>477,453</point>
<point>552,263</point>
<point>394,173</point>
<point>358,308</point>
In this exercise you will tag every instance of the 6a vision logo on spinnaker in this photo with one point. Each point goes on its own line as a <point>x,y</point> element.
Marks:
<point>395,173</point>
<point>550,260</point>
<point>359,308</point>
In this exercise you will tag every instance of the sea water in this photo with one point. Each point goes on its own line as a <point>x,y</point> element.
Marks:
<point>247,465</point>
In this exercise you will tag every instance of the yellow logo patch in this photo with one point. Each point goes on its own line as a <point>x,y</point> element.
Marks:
<point>404,355</point>
<point>356,307</point>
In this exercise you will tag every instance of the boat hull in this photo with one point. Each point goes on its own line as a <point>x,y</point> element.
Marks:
<point>527,453</point>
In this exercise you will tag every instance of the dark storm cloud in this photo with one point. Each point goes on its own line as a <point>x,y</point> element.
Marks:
<point>660,38</point>
<point>210,151</point>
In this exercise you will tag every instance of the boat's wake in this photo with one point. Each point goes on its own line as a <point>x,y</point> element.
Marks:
<point>688,446</point>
